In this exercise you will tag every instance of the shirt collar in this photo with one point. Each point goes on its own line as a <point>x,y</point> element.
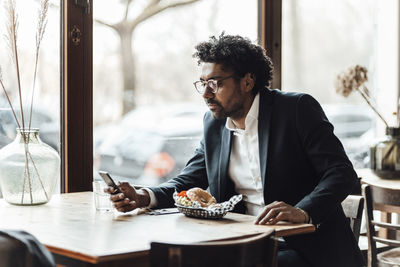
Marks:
<point>251,116</point>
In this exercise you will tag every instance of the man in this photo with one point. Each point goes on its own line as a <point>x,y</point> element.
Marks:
<point>276,148</point>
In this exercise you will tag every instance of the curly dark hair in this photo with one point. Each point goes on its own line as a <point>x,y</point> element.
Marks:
<point>238,54</point>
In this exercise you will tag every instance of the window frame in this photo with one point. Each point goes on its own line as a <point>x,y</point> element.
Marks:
<point>270,34</point>
<point>76,121</point>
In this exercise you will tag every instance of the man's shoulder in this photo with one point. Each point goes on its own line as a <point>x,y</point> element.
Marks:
<point>209,119</point>
<point>279,96</point>
<point>284,94</point>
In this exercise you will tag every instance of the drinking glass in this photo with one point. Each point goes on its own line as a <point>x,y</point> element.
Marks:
<point>101,199</point>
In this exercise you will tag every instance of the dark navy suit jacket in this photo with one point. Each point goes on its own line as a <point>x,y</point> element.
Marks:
<point>302,163</point>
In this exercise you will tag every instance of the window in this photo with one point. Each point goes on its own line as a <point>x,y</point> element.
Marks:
<point>147,114</point>
<point>323,38</point>
<point>307,26</point>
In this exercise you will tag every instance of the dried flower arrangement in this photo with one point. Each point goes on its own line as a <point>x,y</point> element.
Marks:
<point>354,80</point>
<point>12,41</point>
<point>383,155</point>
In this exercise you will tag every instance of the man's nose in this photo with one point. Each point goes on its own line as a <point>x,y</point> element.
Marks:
<point>208,93</point>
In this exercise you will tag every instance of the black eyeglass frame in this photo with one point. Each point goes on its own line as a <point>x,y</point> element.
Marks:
<point>201,86</point>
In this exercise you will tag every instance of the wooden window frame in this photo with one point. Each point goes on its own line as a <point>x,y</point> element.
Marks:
<point>270,34</point>
<point>76,97</point>
<point>77,85</point>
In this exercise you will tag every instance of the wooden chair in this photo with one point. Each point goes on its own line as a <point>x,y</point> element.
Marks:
<point>259,250</point>
<point>353,207</point>
<point>384,200</point>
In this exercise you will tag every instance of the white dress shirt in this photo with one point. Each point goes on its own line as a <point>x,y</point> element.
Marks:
<point>244,162</point>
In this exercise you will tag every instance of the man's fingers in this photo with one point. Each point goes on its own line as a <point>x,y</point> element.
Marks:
<point>124,201</point>
<point>117,197</point>
<point>271,215</point>
<point>282,216</point>
<point>267,209</point>
<point>260,216</point>
<point>121,203</point>
<point>124,186</point>
<point>127,207</point>
<point>128,190</point>
<point>109,190</point>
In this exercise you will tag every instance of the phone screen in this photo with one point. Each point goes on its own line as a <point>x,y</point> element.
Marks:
<point>109,181</point>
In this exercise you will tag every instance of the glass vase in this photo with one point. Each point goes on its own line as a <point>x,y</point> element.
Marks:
<point>29,169</point>
<point>385,155</point>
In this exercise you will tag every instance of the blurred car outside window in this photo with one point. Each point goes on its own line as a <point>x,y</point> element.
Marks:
<point>354,125</point>
<point>150,144</point>
<point>48,126</point>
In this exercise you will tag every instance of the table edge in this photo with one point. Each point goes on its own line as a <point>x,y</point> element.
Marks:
<point>97,259</point>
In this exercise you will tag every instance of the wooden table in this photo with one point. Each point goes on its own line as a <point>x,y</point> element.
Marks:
<point>369,177</point>
<point>73,231</point>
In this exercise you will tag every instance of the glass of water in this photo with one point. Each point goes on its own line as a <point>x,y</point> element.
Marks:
<point>101,199</point>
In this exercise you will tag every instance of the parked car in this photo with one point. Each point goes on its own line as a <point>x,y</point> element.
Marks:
<point>150,144</point>
<point>42,119</point>
<point>350,121</point>
<point>354,126</point>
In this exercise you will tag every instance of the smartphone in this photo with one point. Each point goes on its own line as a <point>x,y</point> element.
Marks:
<point>109,181</point>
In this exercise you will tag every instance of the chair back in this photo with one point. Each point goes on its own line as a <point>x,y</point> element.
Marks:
<point>21,249</point>
<point>384,200</point>
<point>259,250</point>
<point>353,207</point>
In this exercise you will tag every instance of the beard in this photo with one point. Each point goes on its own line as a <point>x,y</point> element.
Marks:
<point>219,112</point>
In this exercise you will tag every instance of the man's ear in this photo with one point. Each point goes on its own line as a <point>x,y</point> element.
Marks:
<point>250,81</point>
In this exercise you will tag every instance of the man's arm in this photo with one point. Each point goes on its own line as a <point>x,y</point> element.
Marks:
<point>193,175</point>
<point>326,154</point>
<point>328,158</point>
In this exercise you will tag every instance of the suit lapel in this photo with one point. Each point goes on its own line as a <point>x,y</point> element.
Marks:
<point>264,125</point>
<point>226,139</point>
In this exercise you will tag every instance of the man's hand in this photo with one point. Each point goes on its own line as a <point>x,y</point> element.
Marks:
<point>129,198</point>
<point>280,211</point>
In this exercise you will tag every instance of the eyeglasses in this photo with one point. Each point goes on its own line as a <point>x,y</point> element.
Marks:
<point>213,84</point>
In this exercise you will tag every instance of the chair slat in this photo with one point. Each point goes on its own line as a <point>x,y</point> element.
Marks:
<point>386,225</point>
<point>393,243</point>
